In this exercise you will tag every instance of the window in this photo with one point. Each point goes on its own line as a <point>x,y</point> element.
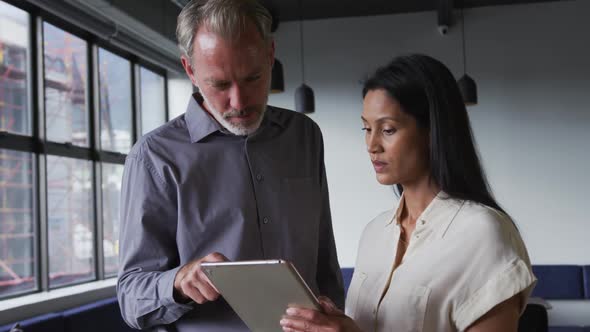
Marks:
<point>115,102</point>
<point>14,109</point>
<point>65,73</point>
<point>62,150</point>
<point>153,104</point>
<point>17,236</point>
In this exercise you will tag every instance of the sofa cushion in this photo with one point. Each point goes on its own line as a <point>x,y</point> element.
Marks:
<point>534,318</point>
<point>559,282</point>
<point>347,277</point>
<point>586,271</point>
<point>48,322</point>
<point>104,315</point>
<point>566,329</point>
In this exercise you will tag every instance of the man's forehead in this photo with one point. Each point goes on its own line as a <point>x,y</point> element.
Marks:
<point>242,33</point>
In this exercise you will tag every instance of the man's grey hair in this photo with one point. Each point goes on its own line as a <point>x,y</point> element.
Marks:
<point>226,18</point>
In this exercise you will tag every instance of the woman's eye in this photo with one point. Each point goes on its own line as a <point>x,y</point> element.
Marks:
<point>388,131</point>
<point>368,130</point>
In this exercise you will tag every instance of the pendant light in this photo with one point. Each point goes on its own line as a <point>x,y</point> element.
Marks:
<point>304,99</point>
<point>277,79</point>
<point>466,84</point>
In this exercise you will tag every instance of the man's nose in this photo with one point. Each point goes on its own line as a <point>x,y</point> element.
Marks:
<point>237,98</point>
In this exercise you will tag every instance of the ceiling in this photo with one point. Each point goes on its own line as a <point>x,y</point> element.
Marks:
<point>289,10</point>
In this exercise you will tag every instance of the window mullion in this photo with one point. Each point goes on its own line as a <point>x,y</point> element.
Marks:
<point>95,127</point>
<point>40,130</point>
<point>136,102</point>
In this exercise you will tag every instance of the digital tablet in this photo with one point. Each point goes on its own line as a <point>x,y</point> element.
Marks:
<point>260,291</point>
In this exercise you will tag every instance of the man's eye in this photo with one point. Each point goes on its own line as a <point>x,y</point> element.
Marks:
<point>252,78</point>
<point>368,130</point>
<point>221,86</point>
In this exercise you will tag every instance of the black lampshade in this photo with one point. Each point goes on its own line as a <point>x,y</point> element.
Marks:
<point>277,80</point>
<point>304,100</point>
<point>468,90</point>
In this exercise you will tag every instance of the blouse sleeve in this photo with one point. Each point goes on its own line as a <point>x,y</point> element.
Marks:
<point>499,268</point>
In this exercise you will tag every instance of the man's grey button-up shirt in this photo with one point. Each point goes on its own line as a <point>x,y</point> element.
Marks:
<point>190,189</point>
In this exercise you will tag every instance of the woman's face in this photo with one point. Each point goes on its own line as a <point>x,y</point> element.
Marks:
<point>398,148</point>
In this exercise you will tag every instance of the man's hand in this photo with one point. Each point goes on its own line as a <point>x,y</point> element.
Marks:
<point>192,283</point>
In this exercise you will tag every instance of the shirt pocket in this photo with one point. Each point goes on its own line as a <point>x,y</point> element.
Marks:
<point>354,291</point>
<point>405,309</point>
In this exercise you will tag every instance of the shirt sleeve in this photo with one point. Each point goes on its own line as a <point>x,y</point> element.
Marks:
<point>499,269</point>
<point>149,258</point>
<point>329,276</point>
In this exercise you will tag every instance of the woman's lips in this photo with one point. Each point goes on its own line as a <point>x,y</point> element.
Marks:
<point>379,166</point>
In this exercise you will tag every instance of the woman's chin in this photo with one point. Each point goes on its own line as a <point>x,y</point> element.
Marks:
<point>385,179</point>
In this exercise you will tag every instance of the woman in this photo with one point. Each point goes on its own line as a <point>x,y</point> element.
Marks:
<point>448,258</point>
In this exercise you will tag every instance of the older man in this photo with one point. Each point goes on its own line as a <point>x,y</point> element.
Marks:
<point>232,178</point>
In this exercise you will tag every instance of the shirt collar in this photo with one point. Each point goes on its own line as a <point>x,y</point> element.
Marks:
<point>439,213</point>
<point>201,124</point>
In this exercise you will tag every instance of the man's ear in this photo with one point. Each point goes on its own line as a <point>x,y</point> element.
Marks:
<point>272,53</point>
<point>188,68</point>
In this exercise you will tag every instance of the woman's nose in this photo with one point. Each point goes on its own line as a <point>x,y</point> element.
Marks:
<point>372,144</point>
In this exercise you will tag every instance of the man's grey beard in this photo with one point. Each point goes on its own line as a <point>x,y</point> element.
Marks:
<point>237,130</point>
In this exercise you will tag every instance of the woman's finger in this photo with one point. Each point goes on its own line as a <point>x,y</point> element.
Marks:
<point>306,314</point>
<point>329,307</point>
<point>299,325</point>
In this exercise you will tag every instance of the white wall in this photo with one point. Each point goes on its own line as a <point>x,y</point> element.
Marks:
<point>532,124</point>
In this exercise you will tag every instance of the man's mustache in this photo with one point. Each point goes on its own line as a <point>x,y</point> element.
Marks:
<point>234,113</point>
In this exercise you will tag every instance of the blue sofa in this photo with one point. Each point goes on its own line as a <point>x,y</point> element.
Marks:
<point>556,282</point>
<point>563,282</point>
<point>98,316</point>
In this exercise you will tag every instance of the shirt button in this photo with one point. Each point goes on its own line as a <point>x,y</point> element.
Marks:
<point>265,220</point>
<point>423,222</point>
<point>259,177</point>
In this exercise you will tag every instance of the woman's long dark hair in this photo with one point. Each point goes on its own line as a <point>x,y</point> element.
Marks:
<point>426,90</point>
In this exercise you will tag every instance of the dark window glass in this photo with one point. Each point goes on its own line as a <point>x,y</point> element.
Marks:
<point>15,115</point>
<point>115,102</point>
<point>112,175</point>
<point>70,220</point>
<point>66,106</point>
<point>152,106</point>
<point>17,231</point>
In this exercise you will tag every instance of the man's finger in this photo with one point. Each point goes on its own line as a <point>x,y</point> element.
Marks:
<point>203,276</point>
<point>215,257</point>
<point>191,291</point>
<point>206,290</point>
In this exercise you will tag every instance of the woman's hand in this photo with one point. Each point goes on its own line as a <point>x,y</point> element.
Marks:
<point>331,319</point>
